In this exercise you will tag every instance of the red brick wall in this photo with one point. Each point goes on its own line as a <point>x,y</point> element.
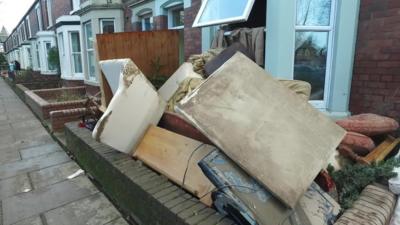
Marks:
<point>127,19</point>
<point>192,36</point>
<point>60,8</point>
<point>376,77</point>
<point>33,22</point>
<point>160,22</point>
<point>45,20</point>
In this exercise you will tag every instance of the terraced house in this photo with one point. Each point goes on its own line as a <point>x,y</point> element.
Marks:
<point>347,50</point>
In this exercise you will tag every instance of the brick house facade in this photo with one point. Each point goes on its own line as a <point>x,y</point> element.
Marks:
<point>376,77</point>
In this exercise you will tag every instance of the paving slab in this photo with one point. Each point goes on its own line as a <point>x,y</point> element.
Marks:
<point>39,150</point>
<point>119,221</point>
<point>14,185</point>
<point>35,220</point>
<point>54,174</point>
<point>28,165</point>
<point>25,205</point>
<point>93,210</point>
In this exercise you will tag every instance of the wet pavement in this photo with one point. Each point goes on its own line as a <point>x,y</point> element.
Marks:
<point>39,183</point>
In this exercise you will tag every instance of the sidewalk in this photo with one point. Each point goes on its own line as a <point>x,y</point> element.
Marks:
<point>39,183</point>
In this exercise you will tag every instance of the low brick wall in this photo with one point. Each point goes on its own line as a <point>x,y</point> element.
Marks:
<point>39,100</point>
<point>21,88</point>
<point>142,195</point>
<point>59,118</point>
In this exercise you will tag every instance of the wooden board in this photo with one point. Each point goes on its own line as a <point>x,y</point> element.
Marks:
<point>274,135</point>
<point>383,150</point>
<point>171,154</point>
<point>147,49</point>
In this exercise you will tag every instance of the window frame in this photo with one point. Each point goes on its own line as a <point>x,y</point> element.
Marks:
<point>170,16</point>
<point>91,77</point>
<point>49,4</point>
<point>143,17</point>
<point>60,38</point>
<point>39,17</point>
<point>106,20</point>
<point>244,17</point>
<point>73,66</point>
<point>321,104</point>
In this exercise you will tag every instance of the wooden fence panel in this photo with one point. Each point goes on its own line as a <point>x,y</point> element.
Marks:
<point>146,49</point>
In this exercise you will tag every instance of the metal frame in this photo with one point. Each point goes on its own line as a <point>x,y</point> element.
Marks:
<point>242,18</point>
<point>322,104</point>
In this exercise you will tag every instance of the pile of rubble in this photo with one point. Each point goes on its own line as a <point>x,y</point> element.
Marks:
<point>247,144</point>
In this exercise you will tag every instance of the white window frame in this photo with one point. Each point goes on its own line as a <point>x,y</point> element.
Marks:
<point>244,17</point>
<point>39,17</point>
<point>75,53</point>
<point>106,20</point>
<point>60,37</point>
<point>170,15</point>
<point>91,77</point>
<point>49,4</point>
<point>75,5</point>
<point>321,104</point>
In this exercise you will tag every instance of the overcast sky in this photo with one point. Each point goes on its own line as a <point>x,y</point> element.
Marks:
<point>11,12</point>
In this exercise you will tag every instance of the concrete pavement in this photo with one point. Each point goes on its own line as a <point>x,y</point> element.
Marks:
<point>39,183</point>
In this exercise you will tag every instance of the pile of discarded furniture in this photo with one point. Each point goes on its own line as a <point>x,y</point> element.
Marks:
<point>245,143</point>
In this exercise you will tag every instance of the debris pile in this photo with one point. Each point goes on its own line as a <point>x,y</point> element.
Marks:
<point>250,145</point>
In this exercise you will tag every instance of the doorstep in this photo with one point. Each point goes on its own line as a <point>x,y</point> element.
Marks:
<point>140,193</point>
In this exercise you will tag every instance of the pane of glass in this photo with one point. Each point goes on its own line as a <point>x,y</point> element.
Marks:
<point>223,9</point>
<point>313,12</point>
<point>75,42</point>
<point>77,62</point>
<point>310,61</point>
<point>147,24</point>
<point>91,64</point>
<point>108,26</point>
<point>89,35</point>
<point>177,17</point>
<point>48,47</point>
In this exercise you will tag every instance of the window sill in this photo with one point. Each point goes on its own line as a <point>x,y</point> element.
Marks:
<point>176,28</point>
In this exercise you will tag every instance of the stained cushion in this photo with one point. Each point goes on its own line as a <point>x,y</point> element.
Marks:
<point>369,124</point>
<point>359,143</point>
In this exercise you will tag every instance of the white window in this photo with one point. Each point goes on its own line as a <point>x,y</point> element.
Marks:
<point>176,17</point>
<point>49,13</point>
<point>28,23</point>
<point>39,17</point>
<point>147,21</point>
<point>214,12</point>
<point>107,26</point>
<point>75,45</point>
<point>48,47</point>
<point>90,51</point>
<point>28,49</point>
<point>61,44</point>
<point>313,47</point>
<point>37,55</point>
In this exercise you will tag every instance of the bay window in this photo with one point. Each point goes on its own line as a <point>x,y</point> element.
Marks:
<point>107,26</point>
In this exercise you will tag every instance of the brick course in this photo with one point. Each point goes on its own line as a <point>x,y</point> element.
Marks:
<point>376,76</point>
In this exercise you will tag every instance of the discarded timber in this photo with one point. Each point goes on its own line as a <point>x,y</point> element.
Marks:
<point>275,136</point>
<point>383,150</point>
<point>142,195</point>
<point>176,157</point>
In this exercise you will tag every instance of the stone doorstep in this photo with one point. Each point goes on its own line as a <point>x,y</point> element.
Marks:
<point>140,193</point>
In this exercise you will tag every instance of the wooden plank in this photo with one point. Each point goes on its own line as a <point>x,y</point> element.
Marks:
<point>275,136</point>
<point>144,49</point>
<point>383,150</point>
<point>172,155</point>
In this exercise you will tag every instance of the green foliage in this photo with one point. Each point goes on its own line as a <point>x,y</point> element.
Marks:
<point>352,179</point>
<point>53,59</point>
<point>3,60</point>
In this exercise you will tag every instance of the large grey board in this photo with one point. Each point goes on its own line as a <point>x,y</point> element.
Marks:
<point>274,135</point>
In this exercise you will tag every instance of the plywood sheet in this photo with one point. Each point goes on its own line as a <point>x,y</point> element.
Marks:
<point>172,155</point>
<point>133,108</point>
<point>278,138</point>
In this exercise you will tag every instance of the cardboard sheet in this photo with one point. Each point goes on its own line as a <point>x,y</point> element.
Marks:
<point>171,86</point>
<point>275,136</point>
<point>133,108</point>
<point>172,155</point>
